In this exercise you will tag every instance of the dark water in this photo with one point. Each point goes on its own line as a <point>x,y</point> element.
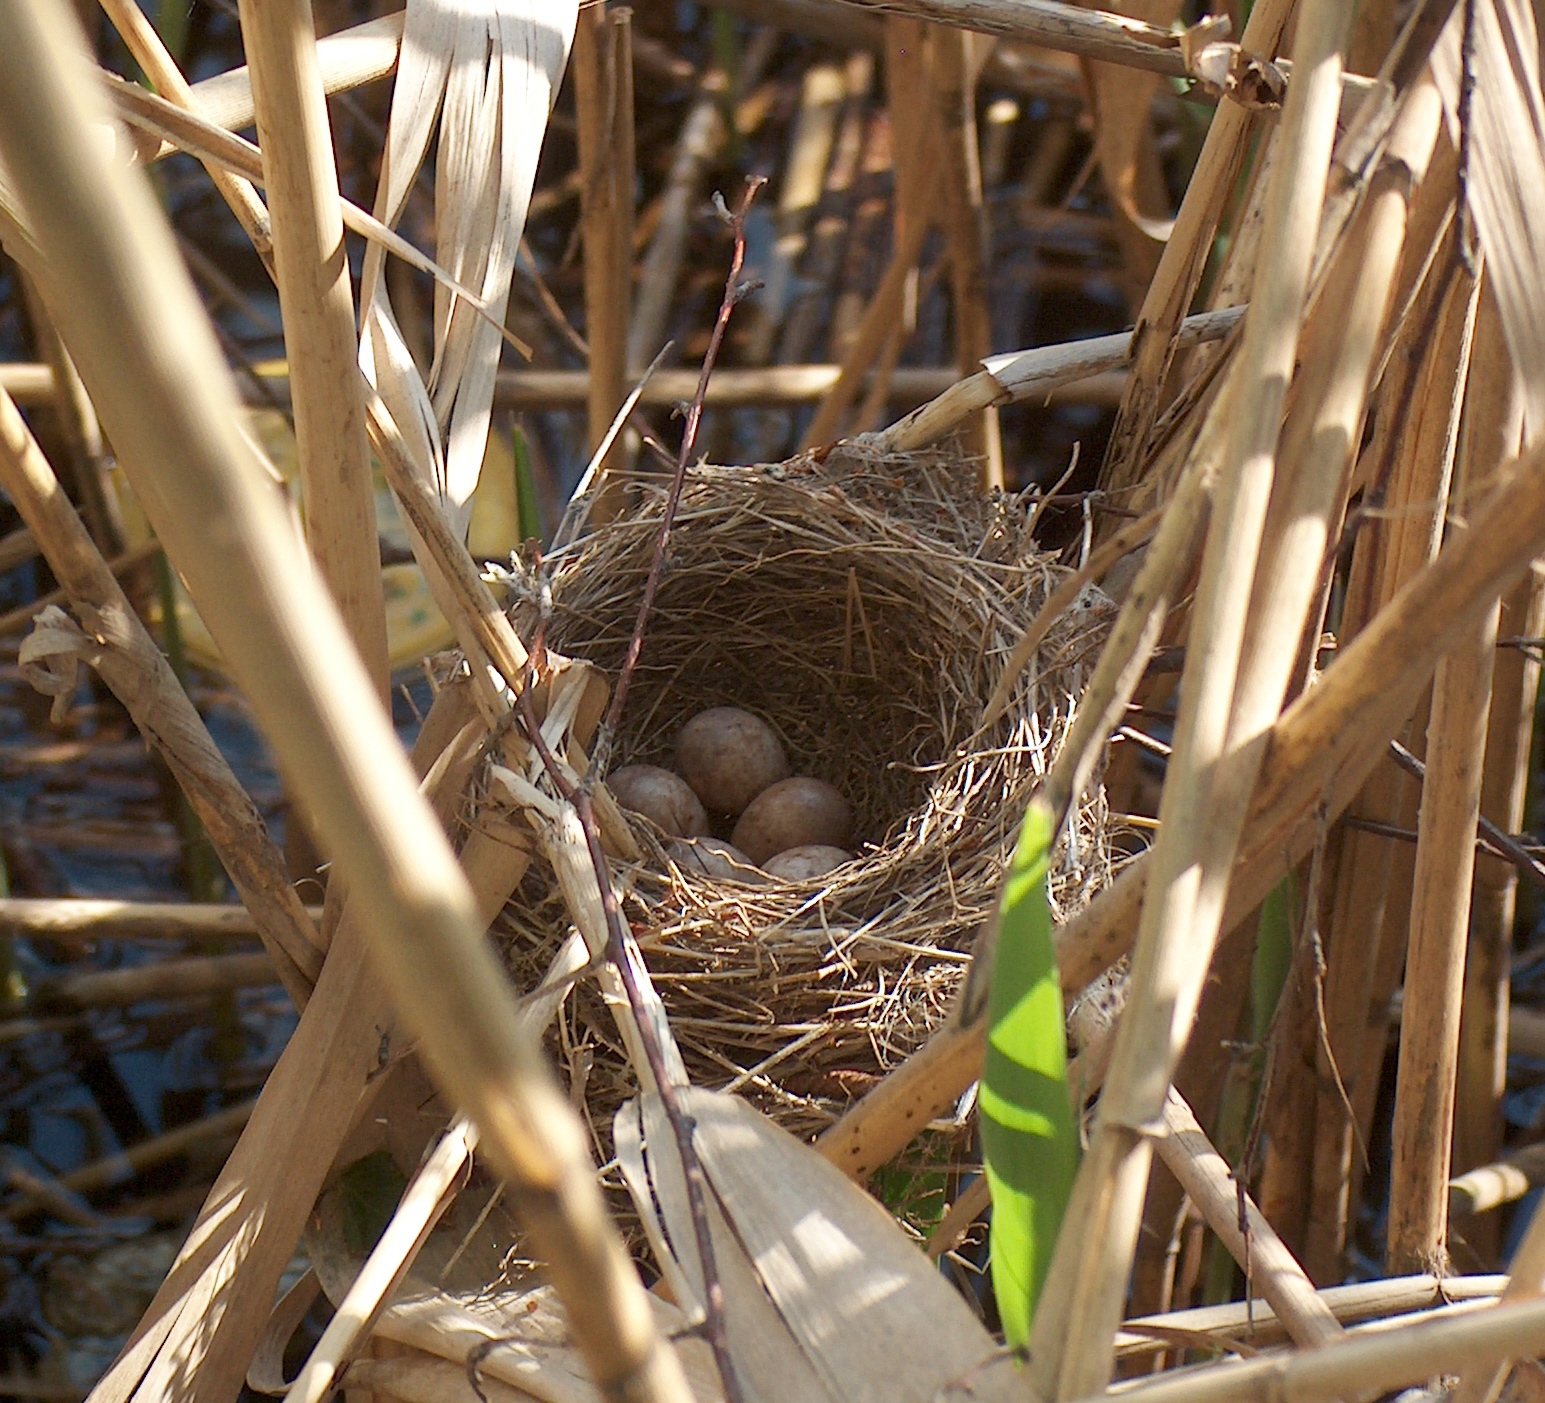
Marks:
<point>85,812</point>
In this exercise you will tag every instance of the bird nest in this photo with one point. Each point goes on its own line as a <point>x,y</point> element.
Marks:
<point>863,606</point>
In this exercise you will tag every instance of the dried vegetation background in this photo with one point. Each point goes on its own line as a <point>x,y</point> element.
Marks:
<point>1248,596</point>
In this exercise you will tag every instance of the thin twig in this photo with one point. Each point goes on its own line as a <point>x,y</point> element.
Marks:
<point>682,1125</point>
<point>734,290</point>
<point>1506,845</point>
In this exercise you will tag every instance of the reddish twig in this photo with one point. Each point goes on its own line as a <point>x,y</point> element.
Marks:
<point>734,291</point>
<point>682,1124</point>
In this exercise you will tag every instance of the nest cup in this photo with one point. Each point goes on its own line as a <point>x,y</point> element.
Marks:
<point>864,607</point>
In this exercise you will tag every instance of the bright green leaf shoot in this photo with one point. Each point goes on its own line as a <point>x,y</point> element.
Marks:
<point>1029,1140</point>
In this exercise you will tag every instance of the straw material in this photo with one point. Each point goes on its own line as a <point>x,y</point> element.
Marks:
<point>864,606</point>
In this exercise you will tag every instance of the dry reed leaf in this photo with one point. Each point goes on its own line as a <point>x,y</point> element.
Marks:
<point>844,1305</point>
<point>486,78</point>
<point>1506,169</point>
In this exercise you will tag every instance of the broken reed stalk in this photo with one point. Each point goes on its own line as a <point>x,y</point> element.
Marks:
<point>1185,257</point>
<point>602,65</point>
<point>1423,1127</point>
<point>316,301</point>
<point>1029,374</point>
<point>1215,760</point>
<point>137,32</point>
<point>132,666</point>
<point>144,348</point>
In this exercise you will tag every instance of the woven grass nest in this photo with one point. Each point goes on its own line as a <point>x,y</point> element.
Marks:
<point>864,607</point>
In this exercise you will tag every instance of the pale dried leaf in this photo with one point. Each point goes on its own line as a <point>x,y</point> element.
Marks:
<point>807,1259</point>
<point>484,75</point>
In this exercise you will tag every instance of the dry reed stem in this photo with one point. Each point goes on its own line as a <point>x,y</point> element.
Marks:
<point>1184,259</point>
<point>189,977</point>
<point>132,665</point>
<point>879,320</point>
<point>99,1174</point>
<point>916,150</point>
<point>1362,1366</point>
<point>953,89</point>
<point>1089,33</point>
<point>602,66</point>
<point>316,302</point>
<point>1214,763</point>
<point>882,1124</point>
<point>1486,1186</point>
<point>1119,107</point>
<point>196,135</point>
<point>1318,441</point>
<point>137,32</point>
<point>1256,1323</point>
<point>1422,1132</point>
<point>1483,1028</point>
<point>702,134</point>
<point>256,1209</point>
<point>84,449</point>
<point>1266,1262</point>
<point>145,350</point>
<point>1318,444</point>
<point>1372,878</point>
<point>73,921</point>
<point>643,1021</point>
<point>483,629</point>
<point>34,383</point>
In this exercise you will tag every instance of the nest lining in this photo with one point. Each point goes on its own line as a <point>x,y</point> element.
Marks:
<point>864,607</point>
